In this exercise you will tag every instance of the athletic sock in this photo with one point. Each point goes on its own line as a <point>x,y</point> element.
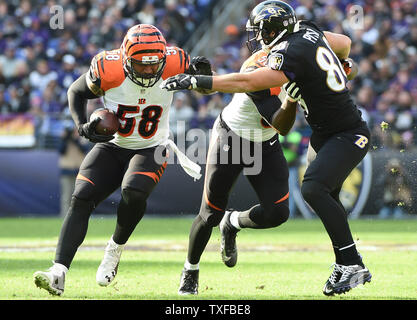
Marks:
<point>114,244</point>
<point>337,255</point>
<point>190,266</point>
<point>234,219</point>
<point>59,268</point>
<point>349,255</point>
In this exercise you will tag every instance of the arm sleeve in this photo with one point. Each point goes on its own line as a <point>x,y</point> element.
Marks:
<point>78,94</point>
<point>267,106</point>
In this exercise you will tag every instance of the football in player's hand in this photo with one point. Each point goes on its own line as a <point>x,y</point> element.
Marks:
<point>109,123</point>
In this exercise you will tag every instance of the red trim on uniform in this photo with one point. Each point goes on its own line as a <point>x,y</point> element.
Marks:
<point>209,203</point>
<point>151,175</point>
<point>275,91</point>
<point>154,176</point>
<point>283,198</point>
<point>81,177</point>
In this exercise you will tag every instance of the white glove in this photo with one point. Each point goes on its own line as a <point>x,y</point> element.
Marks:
<point>293,91</point>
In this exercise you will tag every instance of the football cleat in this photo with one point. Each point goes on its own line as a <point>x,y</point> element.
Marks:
<point>334,277</point>
<point>107,270</point>
<point>345,278</point>
<point>188,282</point>
<point>228,241</point>
<point>51,280</point>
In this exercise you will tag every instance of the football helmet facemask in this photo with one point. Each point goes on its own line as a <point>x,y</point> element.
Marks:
<point>144,45</point>
<point>267,17</point>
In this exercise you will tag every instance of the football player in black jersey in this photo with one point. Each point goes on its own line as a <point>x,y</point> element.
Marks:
<point>316,61</point>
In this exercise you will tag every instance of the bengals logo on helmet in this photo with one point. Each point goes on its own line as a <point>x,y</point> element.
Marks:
<point>144,47</point>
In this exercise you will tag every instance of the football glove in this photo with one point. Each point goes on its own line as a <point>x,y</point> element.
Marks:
<point>88,130</point>
<point>347,65</point>
<point>293,91</point>
<point>200,65</point>
<point>187,82</point>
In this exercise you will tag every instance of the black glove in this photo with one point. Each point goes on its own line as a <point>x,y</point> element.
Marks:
<point>200,65</point>
<point>293,91</point>
<point>88,130</point>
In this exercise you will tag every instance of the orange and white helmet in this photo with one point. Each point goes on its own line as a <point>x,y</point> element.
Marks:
<point>144,44</point>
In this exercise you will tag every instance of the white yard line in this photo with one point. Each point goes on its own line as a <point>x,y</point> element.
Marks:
<point>167,246</point>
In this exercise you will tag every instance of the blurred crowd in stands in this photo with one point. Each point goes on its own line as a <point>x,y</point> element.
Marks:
<point>38,63</point>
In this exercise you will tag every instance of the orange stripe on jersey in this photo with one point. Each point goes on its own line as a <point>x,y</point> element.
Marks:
<point>257,60</point>
<point>209,203</point>
<point>81,177</point>
<point>275,91</point>
<point>109,66</point>
<point>177,62</point>
<point>151,175</point>
<point>154,176</point>
<point>283,198</point>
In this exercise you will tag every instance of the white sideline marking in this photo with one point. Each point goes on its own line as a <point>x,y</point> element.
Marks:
<point>244,248</point>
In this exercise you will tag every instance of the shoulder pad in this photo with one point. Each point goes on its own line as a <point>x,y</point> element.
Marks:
<point>177,62</point>
<point>311,24</point>
<point>106,70</point>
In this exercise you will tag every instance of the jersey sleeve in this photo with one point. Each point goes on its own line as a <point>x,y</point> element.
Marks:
<point>286,57</point>
<point>106,72</point>
<point>267,106</point>
<point>177,61</point>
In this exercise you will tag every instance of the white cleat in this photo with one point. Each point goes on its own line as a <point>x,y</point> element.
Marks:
<point>107,270</point>
<point>52,280</point>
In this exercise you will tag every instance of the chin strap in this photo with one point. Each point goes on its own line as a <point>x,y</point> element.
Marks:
<point>268,47</point>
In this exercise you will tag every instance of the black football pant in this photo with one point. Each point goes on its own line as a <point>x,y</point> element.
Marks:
<point>270,185</point>
<point>337,156</point>
<point>106,168</point>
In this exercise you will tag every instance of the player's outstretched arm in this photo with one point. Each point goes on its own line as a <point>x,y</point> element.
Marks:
<point>200,65</point>
<point>260,79</point>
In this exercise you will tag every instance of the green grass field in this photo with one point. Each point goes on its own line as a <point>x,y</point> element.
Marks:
<point>289,262</point>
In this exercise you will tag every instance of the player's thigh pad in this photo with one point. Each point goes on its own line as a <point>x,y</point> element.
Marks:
<point>219,180</point>
<point>336,158</point>
<point>143,172</point>
<point>100,174</point>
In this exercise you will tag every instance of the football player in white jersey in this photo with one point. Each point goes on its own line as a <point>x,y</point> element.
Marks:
<point>243,132</point>
<point>128,80</point>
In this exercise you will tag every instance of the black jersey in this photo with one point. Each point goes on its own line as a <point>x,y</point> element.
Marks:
<point>306,58</point>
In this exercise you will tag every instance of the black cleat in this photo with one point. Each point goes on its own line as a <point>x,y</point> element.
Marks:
<point>333,279</point>
<point>228,241</point>
<point>189,282</point>
<point>345,278</point>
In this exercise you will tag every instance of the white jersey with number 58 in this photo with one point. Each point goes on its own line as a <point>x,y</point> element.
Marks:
<point>143,112</point>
